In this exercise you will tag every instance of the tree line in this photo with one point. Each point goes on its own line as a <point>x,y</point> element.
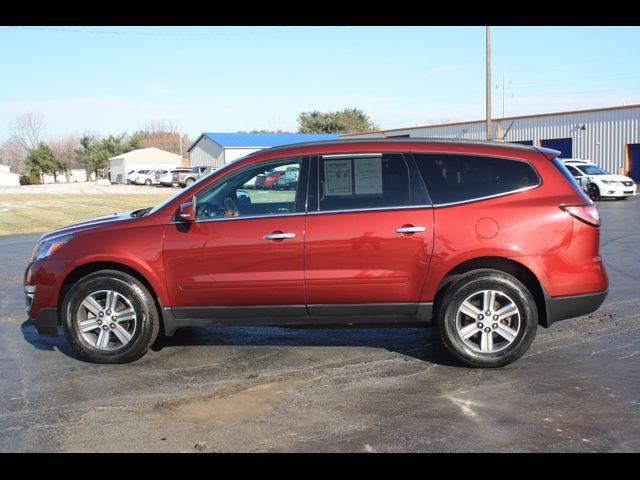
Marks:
<point>28,154</point>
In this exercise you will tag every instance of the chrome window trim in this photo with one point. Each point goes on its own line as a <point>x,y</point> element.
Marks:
<point>487,197</point>
<point>294,214</point>
<point>409,207</point>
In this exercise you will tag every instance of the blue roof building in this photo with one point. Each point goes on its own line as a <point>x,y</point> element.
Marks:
<point>216,149</point>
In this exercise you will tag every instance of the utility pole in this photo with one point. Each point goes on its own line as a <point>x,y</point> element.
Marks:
<point>488,94</point>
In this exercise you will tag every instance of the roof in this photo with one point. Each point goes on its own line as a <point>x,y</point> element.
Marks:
<point>415,140</point>
<point>138,151</point>
<point>505,119</point>
<point>262,140</point>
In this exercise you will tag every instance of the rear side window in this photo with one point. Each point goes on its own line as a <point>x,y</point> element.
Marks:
<point>461,178</point>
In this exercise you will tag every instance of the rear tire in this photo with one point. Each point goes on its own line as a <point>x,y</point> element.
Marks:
<point>188,182</point>
<point>147,182</point>
<point>487,319</point>
<point>110,317</point>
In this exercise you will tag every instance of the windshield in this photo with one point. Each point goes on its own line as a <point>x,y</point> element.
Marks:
<point>591,170</point>
<point>190,187</point>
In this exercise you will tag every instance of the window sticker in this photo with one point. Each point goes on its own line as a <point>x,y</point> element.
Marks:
<point>337,177</point>
<point>368,176</point>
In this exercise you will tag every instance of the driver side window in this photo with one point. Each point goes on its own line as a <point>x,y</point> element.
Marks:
<point>269,188</point>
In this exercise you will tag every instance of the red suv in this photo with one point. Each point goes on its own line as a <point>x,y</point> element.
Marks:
<point>485,240</point>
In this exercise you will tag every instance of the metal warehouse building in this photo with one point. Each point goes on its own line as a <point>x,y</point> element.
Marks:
<point>216,149</point>
<point>608,136</point>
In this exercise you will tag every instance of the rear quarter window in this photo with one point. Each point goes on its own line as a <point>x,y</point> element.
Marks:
<point>462,178</point>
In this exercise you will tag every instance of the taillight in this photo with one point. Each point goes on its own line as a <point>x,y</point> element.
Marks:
<point>585,213</point>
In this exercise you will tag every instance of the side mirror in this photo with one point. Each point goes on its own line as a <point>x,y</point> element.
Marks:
<point>187,212</point>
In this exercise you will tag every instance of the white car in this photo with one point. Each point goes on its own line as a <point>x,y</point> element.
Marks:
<point>166,178</point>
<point>608,185</point>
<point>146,177</point>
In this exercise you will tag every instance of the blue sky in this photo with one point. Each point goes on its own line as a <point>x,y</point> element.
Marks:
<point>112,79</point>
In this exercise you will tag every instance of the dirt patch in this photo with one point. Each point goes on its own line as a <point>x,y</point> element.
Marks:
<point>232,404</point>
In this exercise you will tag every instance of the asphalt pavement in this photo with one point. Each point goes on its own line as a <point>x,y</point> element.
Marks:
<point>246,389</point>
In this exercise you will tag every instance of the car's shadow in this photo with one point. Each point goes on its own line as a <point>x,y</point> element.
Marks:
<point>419,343</point>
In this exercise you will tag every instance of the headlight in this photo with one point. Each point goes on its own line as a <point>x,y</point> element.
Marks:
<point>45,248</point>
<point>611,182</point>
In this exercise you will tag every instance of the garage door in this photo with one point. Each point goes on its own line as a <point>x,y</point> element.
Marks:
<point>634,161</point>
<point>564,145</point>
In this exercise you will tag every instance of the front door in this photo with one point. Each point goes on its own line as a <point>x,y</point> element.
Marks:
<point>245,249</point>
<point>370,238</point>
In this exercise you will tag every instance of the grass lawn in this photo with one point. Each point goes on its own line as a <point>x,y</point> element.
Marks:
<point>21,213</point>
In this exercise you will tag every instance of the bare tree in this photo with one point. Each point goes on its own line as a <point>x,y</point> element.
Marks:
<point>27,129</point>
<point>64,151</point>
<point>13,154</point>
<point>164,134</point>
<point>161,125</point>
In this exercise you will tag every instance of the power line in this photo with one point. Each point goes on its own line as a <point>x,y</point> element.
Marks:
<point>129,32</point>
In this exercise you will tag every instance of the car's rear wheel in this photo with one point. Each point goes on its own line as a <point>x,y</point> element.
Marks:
<point>188,181</point>
<point>487,319</point>
<point>110,317</point>
<point>147,182</point>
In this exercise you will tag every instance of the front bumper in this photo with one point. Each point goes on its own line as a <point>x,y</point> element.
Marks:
<point>562,308</point>
<point>617,191</point>
<point>46,321</point>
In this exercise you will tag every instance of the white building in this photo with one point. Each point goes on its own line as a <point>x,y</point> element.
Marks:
<point>142,159</point>
<point>76,175</point>
<point>608,136</point>
<point>7,178</point>
<point>216,149</point>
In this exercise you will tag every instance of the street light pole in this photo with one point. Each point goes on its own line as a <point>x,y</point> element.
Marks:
<point>488,90</point>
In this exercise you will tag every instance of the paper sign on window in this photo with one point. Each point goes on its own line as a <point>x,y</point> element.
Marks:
<point>337,177</point>
<point>368,176</point>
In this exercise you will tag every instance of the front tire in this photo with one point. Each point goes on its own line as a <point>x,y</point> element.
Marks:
<point>110,317</point>
<point>593,192</point>
<point>487,319</point>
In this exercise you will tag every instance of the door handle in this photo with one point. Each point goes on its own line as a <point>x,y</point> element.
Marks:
<point>279,236</point>
<point>410,229</point>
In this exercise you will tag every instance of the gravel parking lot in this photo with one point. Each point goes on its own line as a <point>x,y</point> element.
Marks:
<point>221,389</point>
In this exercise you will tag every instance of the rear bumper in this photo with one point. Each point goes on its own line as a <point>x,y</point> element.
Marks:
<point>46,321</point>
<point>562,308</point>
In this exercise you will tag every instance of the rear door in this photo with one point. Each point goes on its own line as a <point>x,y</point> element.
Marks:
<point>369,235</point>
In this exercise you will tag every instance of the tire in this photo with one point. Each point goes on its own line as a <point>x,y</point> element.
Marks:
<point>129,337</point>
<point>593,193</point>
<point>188,182</point>
<point>147,182</point>
<point>462,312</point>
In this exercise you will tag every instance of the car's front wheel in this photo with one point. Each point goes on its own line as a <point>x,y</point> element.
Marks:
<point>110,317</point>
<point>487,319</point>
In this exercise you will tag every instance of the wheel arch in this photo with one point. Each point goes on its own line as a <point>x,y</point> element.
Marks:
<point>511,267</point>
<point>88,268</point>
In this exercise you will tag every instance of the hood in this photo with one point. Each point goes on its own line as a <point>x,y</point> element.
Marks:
<point>617,178</point>
<point>93,223</point>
